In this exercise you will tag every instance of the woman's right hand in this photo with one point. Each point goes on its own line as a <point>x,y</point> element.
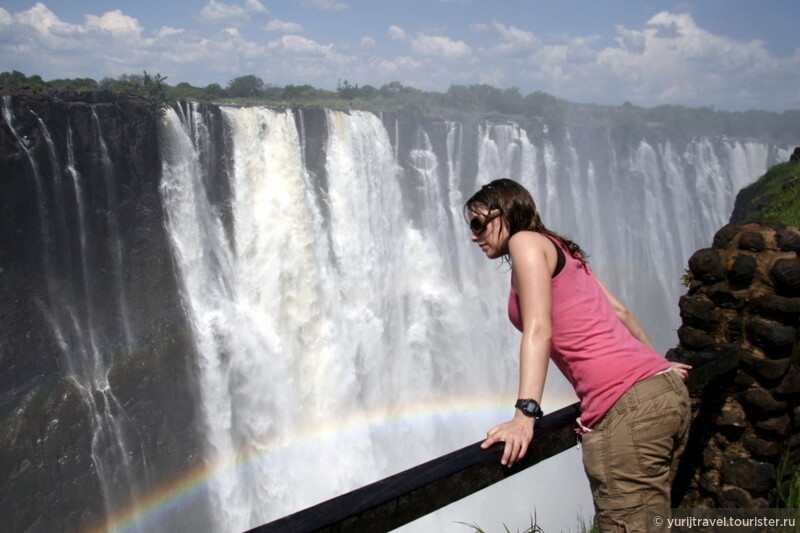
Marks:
<point>517,435</point>
<point>681,369</point>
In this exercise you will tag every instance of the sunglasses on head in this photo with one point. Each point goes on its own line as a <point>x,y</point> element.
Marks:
<point>478,225</point>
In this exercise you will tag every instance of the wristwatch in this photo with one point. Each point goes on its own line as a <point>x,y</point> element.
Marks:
<point>529,408</point>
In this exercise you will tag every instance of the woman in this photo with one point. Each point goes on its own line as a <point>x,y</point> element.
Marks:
<point>634,405</point>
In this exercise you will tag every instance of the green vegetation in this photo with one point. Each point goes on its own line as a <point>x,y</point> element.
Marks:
<point>155,91</point>
<point>458,102</point>
<point>583,527</point>
<point>788,484</point>
<point>776,195</point>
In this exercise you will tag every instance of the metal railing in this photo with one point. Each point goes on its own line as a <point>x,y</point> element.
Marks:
<point>402,498</point>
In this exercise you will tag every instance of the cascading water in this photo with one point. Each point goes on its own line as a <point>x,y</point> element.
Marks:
<point>308,321</point>
<point>89,344</point>
<point>343,326</point>
<point>373,303</point>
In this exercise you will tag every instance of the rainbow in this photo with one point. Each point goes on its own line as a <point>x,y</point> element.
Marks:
<point>191,487</point>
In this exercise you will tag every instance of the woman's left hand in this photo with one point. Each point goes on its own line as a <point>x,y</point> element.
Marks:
<point>517,435</point>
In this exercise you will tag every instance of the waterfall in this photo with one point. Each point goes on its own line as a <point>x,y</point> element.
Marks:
<point>311,273</point>
<point>305,323</point>
<point>89,342</point>
<point>360,297</point>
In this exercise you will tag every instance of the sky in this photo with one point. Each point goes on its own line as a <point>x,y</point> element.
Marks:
<point>727,54</point>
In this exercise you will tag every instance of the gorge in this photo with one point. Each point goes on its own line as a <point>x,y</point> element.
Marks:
<point>218,317</point>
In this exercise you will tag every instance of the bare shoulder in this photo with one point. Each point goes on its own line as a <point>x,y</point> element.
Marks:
<point>528,240</point>
<point>526,246</point>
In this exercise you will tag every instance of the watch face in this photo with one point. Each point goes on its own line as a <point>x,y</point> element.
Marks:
<point>529,407</point>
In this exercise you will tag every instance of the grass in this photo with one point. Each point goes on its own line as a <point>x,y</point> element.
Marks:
<point>788,484</point>
<point>777,195</point>
<point>583,527</point>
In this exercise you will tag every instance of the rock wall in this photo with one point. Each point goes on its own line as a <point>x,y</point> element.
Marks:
<point>742,307</point>
<point>71,164</point>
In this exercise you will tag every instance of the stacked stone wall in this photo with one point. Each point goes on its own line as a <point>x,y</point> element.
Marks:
<point>742,306</point>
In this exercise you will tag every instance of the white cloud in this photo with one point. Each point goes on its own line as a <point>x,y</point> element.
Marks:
<point>511,42</point>
<point>325,5</point>
<point>432,45</point>
<point>222,14</point>
<point>667,59</point>
<point>115,23</point>
<point>279,26</point>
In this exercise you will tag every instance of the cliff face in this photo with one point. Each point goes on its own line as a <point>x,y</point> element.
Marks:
<point>743,305</point>
<point>81,222</point>
<point>98,368</point>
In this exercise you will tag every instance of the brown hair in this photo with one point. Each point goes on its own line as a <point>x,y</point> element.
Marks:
<point>515,204</point>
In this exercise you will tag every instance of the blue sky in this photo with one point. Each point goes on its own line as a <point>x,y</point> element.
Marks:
<point>730,54</point>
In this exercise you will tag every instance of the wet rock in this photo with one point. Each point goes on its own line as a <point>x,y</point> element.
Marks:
<point>742,271</point>
<point>788,240</point>
<point>732,415</point>
<point>785,273</point>
<point>699,312</point>
<point>726,299</point>
<point>748,474</point>
<point>776,339</point>
<point>781,308</point>
<point>763,448</point>
<point>752,240</point>
<point>725,235</point>
<point>735,498</point>
<point>766,369</point>
<point>694,339</point>
<point>780,425</point>
<point>706,265</point>
<point>762,401</point>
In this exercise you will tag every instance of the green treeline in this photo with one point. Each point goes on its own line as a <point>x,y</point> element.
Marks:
<point>459,101</point>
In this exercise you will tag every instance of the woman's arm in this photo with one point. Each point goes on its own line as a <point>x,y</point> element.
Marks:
<point>626,317</point>
<point>636,329</point>
<point>533,258</point>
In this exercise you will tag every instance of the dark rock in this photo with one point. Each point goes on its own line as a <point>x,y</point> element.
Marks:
<point>712,456</point>
<point>780,425</point>
<point>706,265</point>
<point>731,415</point>
<point>786,310</point>
<point>725,235</point>
<point>776,339</point>
<point>762,401</point>
<point>742,271</point>
<point>735,329</point>
<point>788,240</point>
<point>726,299</point>
<point>748,474</point>
<point>765,369</point>
<point>795,155</point>
<point>789,385</point>
<point>762,448</point>
<point>735,498</point>
<point>752,240</point>
<point>694,339</point>
<point>710,481</point>
<point>786,275</point>
<point>699,312</point>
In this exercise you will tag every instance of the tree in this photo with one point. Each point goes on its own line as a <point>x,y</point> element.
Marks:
<point>248,86</point>
<point>214,90</point>
<point>155,91</point>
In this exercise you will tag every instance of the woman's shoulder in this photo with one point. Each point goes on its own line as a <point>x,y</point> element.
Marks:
<point>527,238</point>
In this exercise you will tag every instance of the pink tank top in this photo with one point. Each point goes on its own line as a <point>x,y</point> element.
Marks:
<point>591,346</point>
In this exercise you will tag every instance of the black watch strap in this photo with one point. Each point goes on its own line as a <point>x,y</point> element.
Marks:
<point>529,407</point>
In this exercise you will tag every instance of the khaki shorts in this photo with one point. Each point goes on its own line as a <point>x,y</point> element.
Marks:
<point>631,454</point>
